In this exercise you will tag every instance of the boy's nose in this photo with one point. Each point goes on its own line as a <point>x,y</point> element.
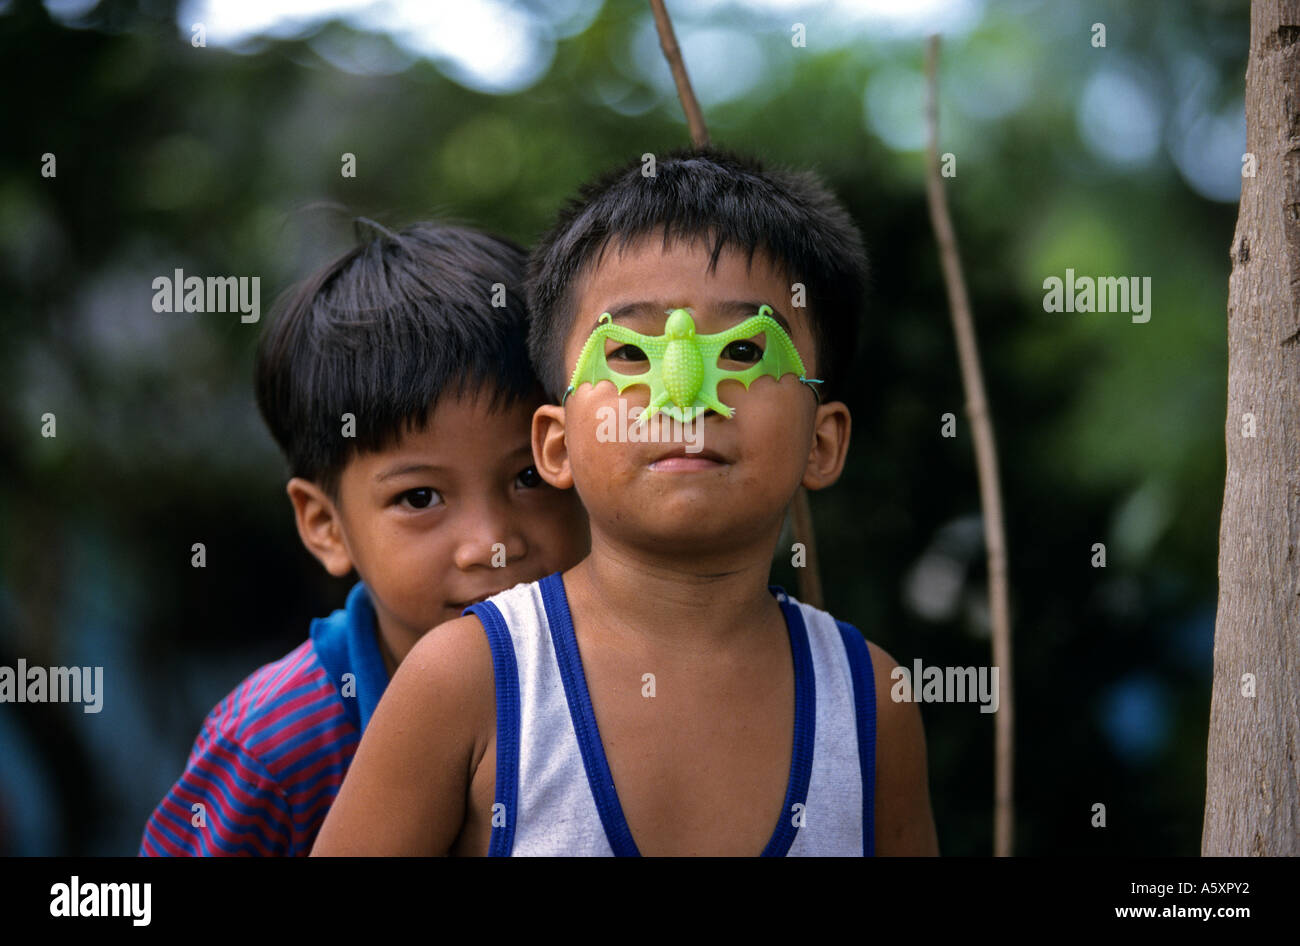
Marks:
<point>488,539</point>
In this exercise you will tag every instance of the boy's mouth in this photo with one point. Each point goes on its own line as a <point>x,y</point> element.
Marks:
<point>679,460</point>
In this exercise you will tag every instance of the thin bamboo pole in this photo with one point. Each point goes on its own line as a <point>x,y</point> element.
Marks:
<point>986,461</point>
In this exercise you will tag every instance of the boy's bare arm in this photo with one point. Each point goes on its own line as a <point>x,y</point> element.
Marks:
<point>405,792</point>
<point>904,822</point>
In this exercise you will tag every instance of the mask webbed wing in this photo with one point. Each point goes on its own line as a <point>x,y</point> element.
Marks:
<point>780,357</point>
<point>593,366</point>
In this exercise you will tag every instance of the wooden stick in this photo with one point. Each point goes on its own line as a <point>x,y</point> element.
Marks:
<point>986,461</point>
<point>668,43</point>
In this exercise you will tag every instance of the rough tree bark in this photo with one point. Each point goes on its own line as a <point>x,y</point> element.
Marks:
<point>1252,801</point>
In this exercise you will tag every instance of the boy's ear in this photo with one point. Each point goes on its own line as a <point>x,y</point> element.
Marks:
<point>830,445</point>
<point>550,452</point>
<point>319,526</point>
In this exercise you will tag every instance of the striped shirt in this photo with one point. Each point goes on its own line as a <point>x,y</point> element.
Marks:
<point>271,756</point>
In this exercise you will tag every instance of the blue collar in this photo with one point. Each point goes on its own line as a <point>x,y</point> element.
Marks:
<point>347,642</point>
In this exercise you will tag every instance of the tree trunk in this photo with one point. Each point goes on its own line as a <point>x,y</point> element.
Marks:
<point>1252,801</point>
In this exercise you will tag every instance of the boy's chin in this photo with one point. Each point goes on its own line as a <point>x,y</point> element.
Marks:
<point>691,534</point>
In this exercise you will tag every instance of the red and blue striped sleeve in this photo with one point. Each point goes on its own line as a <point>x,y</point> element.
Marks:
<point>265,768</point>
<point>225,803</point>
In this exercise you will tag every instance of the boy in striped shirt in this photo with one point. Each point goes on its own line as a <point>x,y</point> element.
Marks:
<point>397,382</point>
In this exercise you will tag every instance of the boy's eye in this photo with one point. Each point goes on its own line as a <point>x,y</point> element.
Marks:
<point>421,498</point>
<point>626,353</point>
<point>529,478</point>
<point>742,351</point>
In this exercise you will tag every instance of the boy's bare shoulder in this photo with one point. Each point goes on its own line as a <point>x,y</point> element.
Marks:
<point>904,822</point>
<point>405,792</point>
<point>882,665</point>
<point>900,720</point>
<point>461,637</point>
<point>451,664</point>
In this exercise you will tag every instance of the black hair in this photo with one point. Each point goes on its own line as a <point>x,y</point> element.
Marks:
<point>382,333</point>
<point>705,193</point>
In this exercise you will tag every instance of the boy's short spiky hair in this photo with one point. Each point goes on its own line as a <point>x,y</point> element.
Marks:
<point>709,194</point>
<point>382,333</point>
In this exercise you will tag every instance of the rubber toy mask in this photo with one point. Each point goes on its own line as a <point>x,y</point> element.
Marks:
<point>684,374</point>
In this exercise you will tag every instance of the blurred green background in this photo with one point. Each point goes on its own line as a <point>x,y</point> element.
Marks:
<point>225,159</point>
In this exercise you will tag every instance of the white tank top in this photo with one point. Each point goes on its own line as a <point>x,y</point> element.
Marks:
<point>554,795</point>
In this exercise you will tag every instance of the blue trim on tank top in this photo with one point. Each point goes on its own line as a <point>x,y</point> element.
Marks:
<point>805,727</point>
<point>864,702</point>
<point>592,749</point>
<point>506,676</point>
